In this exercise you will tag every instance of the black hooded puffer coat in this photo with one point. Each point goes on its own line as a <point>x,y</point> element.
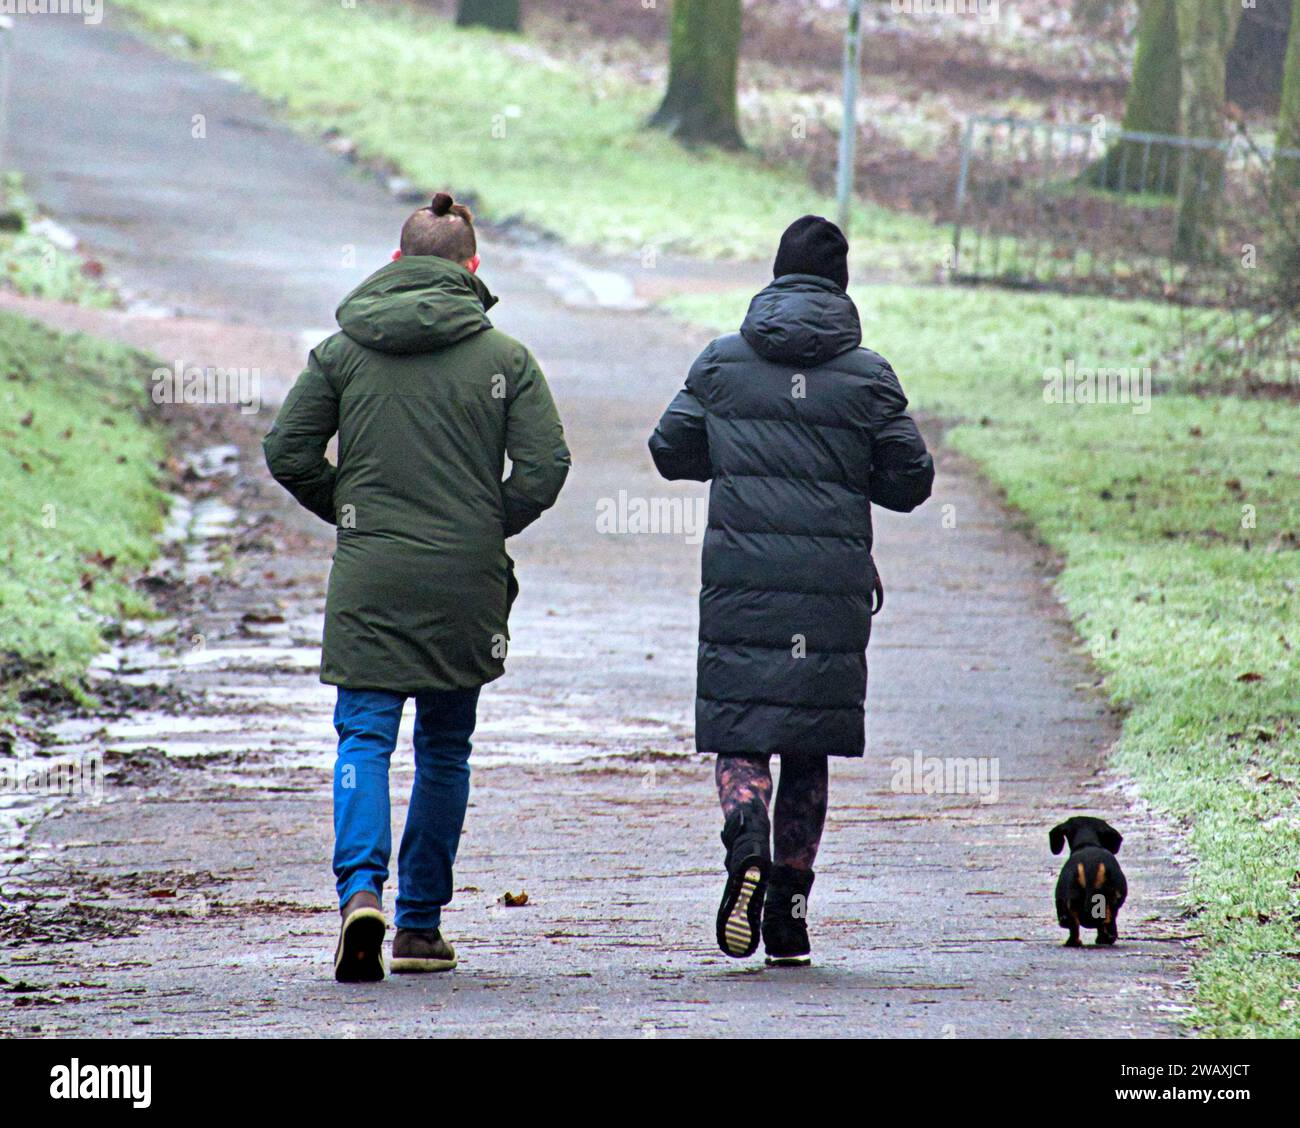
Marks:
<point>799,430</point>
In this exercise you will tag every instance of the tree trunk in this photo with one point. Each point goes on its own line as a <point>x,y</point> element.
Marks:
<point>700,105</point>
<point>1205,30</point>
<point>1258,55</point>
<point>1152,107</point>
<point>500,14</point>
<point>1286,170</point>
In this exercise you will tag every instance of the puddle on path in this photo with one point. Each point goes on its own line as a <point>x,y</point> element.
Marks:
<point>253,713</point>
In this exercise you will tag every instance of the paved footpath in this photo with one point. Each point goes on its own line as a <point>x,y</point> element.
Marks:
<point>197,898</point>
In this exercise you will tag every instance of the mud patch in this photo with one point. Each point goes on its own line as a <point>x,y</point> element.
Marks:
<point>146,767</point>
<point>30,922</point>
<point>265,908</point>
<point>153,884</point>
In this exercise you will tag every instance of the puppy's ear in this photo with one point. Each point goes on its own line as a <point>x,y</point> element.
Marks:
<point>1056,838</point>
<point>1109,837</point>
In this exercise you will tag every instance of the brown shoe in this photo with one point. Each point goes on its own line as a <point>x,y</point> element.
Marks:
<point>421,949</point>
<point>360,954</point>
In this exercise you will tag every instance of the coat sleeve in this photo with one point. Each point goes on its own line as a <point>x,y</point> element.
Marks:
<point>902,471</point>
<point>680,444</point>
<point>538,454</point>
<point>295,446</point>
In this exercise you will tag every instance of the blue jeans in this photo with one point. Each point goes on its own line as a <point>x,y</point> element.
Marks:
<point>367,721</point>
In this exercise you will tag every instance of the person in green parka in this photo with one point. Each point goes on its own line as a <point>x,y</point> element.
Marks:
<point>427,400</point>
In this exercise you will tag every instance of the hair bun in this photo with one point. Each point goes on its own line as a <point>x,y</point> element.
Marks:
<point>442,203</point>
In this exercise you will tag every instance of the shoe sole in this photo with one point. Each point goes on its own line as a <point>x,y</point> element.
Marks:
<point>411,965</point>
<point>360,954</point>
<point>741,911</point>
<point>789,961</point>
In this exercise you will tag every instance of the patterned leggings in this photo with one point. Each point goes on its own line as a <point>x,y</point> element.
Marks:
<point>800,812</point>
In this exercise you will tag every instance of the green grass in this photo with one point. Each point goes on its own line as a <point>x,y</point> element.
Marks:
<point>527,135</point>
<point>1175,598</point>
<point>78,484</point>
<point>32,265</point>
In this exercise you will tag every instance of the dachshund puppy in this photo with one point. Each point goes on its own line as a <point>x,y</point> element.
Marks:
<point>1091,887</point>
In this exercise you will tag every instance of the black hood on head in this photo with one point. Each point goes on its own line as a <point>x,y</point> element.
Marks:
<point>802,319</point>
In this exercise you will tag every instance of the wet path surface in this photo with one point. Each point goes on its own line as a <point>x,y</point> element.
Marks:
<point>197,899</point>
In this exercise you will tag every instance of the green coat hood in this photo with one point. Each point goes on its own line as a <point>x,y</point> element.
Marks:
<point>416,305</point>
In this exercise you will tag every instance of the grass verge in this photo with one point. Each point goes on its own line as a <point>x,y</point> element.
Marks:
<point>529,135</point>
<point>1179,529</point>
<point>32,263</point>
<point>79,501</point>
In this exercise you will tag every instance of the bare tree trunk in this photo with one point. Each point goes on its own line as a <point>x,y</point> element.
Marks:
<point>700,104</point>
<point>1154,94</point>
<point>1205,29</point>
<point>1286,170</point>
<point>500,14</point>
<point>1258,54</point>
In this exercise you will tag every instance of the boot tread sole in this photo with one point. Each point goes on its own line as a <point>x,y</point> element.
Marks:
<point>408,965</point>
<point>738,931</point>
<point>359,957</point>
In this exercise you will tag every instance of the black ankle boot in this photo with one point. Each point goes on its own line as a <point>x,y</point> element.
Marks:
<point>785,917</point>
<point>747,837</point>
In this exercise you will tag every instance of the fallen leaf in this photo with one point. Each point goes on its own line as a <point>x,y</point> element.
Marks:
<point>263,617</point>
<point>514,900</point>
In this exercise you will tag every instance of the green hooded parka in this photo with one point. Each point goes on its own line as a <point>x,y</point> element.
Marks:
<point>428,400</point>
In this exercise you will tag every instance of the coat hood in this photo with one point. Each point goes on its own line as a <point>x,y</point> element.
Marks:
<point>416,304</point>
<point>802,319</point>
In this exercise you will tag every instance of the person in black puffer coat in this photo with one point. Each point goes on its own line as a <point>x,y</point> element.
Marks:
<point>799,430</point>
